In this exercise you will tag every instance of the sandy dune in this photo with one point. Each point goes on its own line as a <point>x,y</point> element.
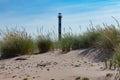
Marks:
<point>55,65</point>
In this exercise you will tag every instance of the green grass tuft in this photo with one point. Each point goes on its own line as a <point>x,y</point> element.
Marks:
<point>16,43</point>
<point>108,38</point>
<point>44,44</point>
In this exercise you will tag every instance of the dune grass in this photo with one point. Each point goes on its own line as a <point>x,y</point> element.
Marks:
<point>117,55</point>
<point>85,40</point>
<point>66,42</point>
<point>16,42</point>
<point>105,39</point>
<point>108,39</point>
<point>44,44</point>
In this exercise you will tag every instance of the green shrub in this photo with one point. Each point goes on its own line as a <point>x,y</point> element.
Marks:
<point>44,44</point>
<point>16,43</point>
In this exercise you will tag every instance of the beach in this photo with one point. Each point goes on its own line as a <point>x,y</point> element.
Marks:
<point>55,65</point>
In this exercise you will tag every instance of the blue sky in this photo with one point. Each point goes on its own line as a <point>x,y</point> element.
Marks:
<point>35,14</point>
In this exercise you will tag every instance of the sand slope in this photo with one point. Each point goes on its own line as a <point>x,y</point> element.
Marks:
<point>55,65</point>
